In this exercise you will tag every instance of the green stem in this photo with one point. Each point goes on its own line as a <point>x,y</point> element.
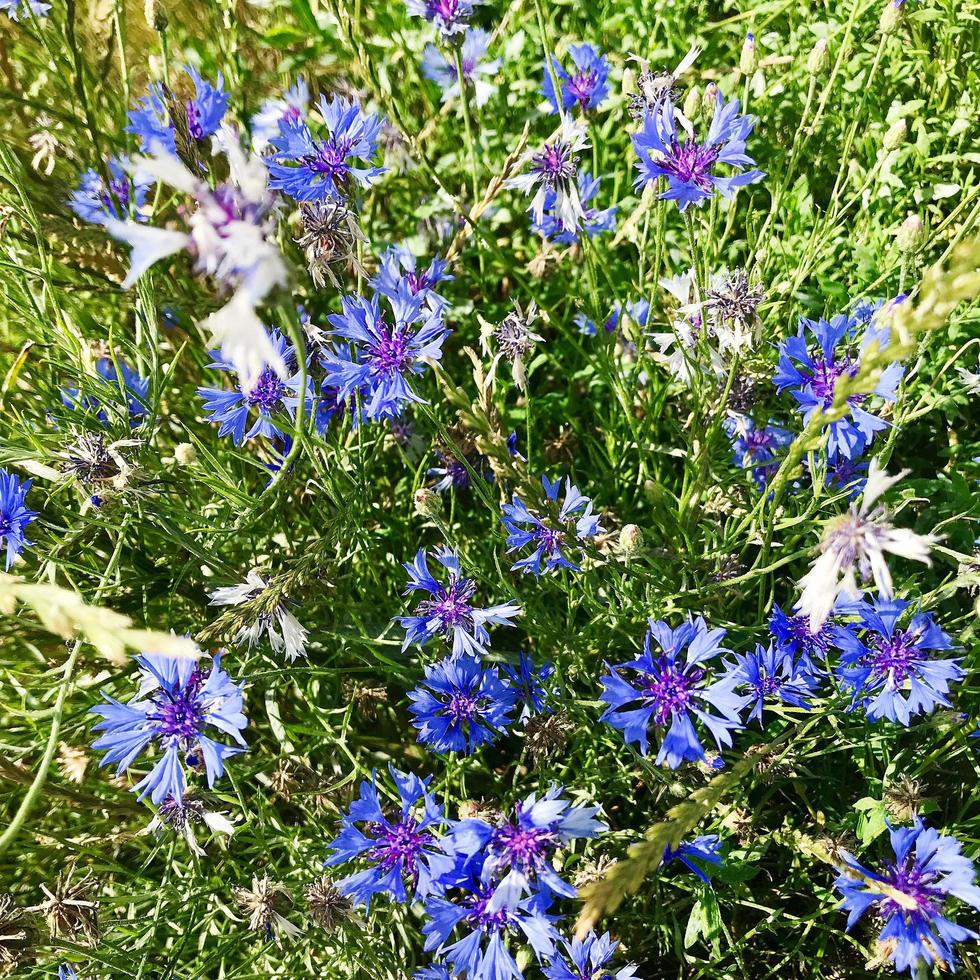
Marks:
<point>464,97</point>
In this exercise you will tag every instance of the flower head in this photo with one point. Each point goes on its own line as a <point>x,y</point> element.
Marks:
<point>809,370</point>
<point>398,265</point>
<point>330,234</point>
<point>153,119</point>
<point>594,221</point>
<point>15,515</point>
<point>461,705</point>
<point>266,396</point>
<point>15,10</point>
<point>732,305</point>
<point>264,904</point>
<point>135,388</point>
<point>554,169</point>
<point>439,69</point>
<point>230,236</point>
<point>554,534</point>
<point>94,200</point>
<point>856,544</point>
<point>756,446</point>
<point>449,16</point>
<point>689,166</point>
<point>314,168</point>
<point>180,707</point>
<point>669,687</point>
<point>586,959</point>
<point>893,672</point>
<point>449,611</point>
<point>910,896</point>
<point>586,85</point>
<point>702,850</point>
<point>792,632</point>
<point>654,88</point>
<point>517,855</point>
<point>401,848</point>
<point>772,673</point>
<point>267,122</point>
<point>454,474</point>
<point>530,683</point>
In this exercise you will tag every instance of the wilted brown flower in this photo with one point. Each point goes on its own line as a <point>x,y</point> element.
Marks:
<point>262,904</point>
<point>17,935</point>
<point>70,909</point>
<point>328,907</point>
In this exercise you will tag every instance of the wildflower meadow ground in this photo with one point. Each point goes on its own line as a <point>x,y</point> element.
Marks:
<point>488,489</point>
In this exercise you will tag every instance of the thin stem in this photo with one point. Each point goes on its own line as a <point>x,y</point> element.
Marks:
<point>464,98</point>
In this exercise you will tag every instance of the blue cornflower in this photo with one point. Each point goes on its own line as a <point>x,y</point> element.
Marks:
<point>15,9</point>
<point>846,474</point>
<point>809,371</point>
<point>586,959</point>
<point>562,529</point>
<point>449,612</point>
<point>594,222</point>
<point>586,86</point>
<point>268,394</point>
<point>14,514</point>
<point>67,972</point>
<point>518,855</point>
<point>435,972</point>
<point>151,121</point>
<point>461,705</point>
<point>794,634</point>
<point>177,702</point>
<point>385,355</point>
<point>398,264</point>
<point>773,673</point>
<point>310,168</point>
<point>437,68</point>
<point>136,388</point>
<point>95,202</point>
<point>454,475</point>
<point>891,672</point>
<point>329,404</point>
<point>530,685</point>
<point>666,689</point>
<point>449,16</point>
<point>484,934</point>
<point>755,446</point>
<point>910,896</point>
<point>690,166</point>
<point>705,848</point>
<point>403,850</point>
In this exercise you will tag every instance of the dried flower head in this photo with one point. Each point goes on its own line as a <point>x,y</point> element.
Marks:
<point>365,697</point>
<point>329,907</point>
<point>733,303</point>
<point>262,904</point>
<point>70,909</point>
<point>72,762</point>
<point>546,736</point>
<point>329,239</point>
<point>17,935</point>
<point>513,339</point>
<point>97,463</point>
<point>903,799</point>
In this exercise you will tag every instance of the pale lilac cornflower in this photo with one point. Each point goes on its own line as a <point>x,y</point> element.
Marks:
<point>451,17</point>
<point>449,610</point>
<point>690,166</point>
<point>855,544</point>
<point>441,70</point>
<point>180,707</point>
<point>594,223</point>
<point>15,10</point>
<point>230,235</point>
<point>554,169</point>
<point>96,201</point>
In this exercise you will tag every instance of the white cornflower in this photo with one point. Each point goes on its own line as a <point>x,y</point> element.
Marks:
<point>283,629</point>
<point>856,543</point>
<point>678,346</point>
<point>230,236</point>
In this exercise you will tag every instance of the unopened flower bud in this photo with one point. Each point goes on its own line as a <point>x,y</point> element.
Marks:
<point>891,16</point>
<point>185,454</point>
<point>428,503</point>
<point>817,59</point>
<point>709,99</point>
<point>910,234</point>
<point>692,103</point>
<point>895,134</point>
<point>749,59</point>
<point>630,540</point>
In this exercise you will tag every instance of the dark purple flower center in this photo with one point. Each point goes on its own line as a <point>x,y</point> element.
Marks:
<point>798,628</point>
<point>389,354</point>
<point>418,281</point>
<point>462,708</point>
<point>549,540</point>
<point>267,391</point>
<point>481,918</point>
<point>526,848</point>
<point>917,883</point>
<point>670,688</point>
<point>194,126</point>
<point>581,86</point>
<point>555,164</point>
<point>894,656</point>
<point>691,162</point>
<point>451,606</point>
<point>181,714</point>
<point>448,11</point>
<point>330,158</point>
<point>115,198</point>
<point>823,378</point>
<point>399,845</point>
